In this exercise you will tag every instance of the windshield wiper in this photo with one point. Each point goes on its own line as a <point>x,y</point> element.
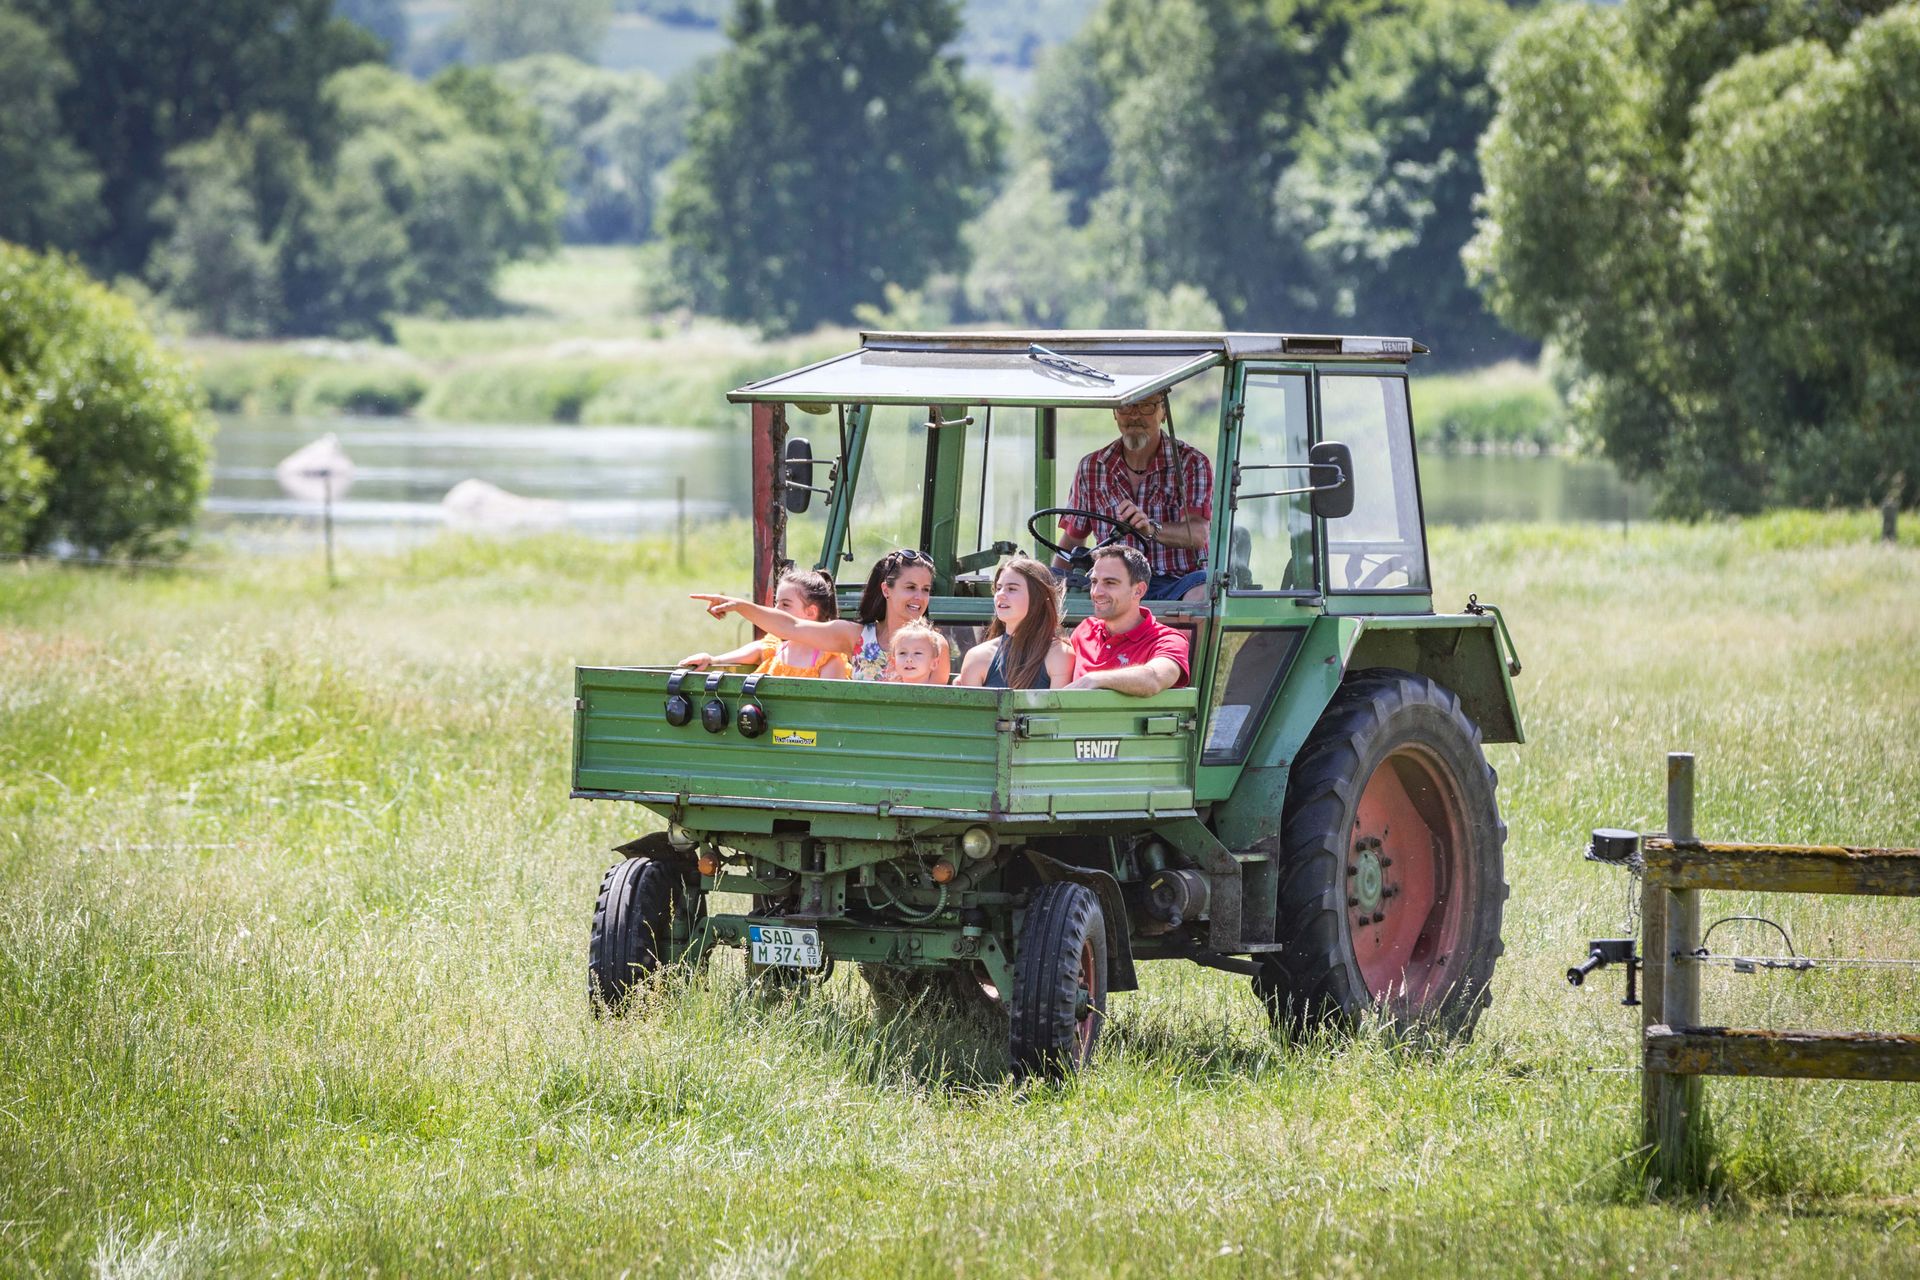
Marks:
<point>1066,364</point>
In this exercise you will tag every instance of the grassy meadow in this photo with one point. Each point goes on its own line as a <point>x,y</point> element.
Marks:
<point>293,916</point>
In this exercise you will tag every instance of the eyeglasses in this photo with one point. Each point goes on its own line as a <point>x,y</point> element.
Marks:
<point>907,555</point>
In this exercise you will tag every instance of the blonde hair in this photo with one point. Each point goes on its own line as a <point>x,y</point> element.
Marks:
<point>920,628</point>
<point>916,629</point>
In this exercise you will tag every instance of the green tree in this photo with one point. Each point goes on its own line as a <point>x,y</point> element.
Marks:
<point>1711,213</point>
<point>152,77</point>
<point>522,212</point>
<point>430,189</point>
<point>835,149</point>
<point>50,193</point>
<point>1802,217</point>
<point>1382,192</point>
<point>613,134</point>
<point>103,437</point>
<point>1067,118</point>
<point>1199,105</point>
<point>216,265</point>
<point>1027,262</point>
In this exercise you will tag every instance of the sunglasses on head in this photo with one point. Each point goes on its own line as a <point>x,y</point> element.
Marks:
<point>907,555</point>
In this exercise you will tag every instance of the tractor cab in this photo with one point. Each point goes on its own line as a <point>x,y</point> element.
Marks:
<point>1314,810</point>
<point>965,446</point>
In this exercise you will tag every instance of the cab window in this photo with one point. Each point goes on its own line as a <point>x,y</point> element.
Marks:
<point>1378,547</point>
<point>1270,548</point>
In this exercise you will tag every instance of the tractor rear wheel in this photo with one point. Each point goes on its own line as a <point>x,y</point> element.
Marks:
<point>1392,879</point>
<point>1059,999</point>
<point>640,903</point>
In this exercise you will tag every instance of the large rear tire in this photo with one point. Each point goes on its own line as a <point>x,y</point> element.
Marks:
<point>640,903</point>
<point>1059,1000</point>
<point>1392,874</point>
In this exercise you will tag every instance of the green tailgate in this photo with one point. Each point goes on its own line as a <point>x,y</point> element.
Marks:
<point>837,745</point>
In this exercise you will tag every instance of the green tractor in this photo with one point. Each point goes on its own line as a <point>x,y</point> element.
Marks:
<point>1314,811</point>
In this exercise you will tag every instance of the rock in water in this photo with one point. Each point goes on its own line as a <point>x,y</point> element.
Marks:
<point>477,504</point>
<point>312,470</point>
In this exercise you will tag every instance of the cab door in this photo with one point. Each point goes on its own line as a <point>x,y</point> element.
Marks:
<point>1375,557</point>
<point>1267,592</point>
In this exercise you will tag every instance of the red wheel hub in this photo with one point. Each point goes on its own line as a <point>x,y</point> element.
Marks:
<point>1406,874</point>
<point>1084,1010</point>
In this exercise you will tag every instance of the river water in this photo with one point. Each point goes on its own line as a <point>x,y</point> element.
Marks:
<point>623,481</point>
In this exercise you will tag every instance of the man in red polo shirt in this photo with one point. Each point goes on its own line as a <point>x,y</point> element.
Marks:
<point>1123,647</point>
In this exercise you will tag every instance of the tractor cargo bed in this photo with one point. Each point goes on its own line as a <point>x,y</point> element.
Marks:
<point>992,755</point>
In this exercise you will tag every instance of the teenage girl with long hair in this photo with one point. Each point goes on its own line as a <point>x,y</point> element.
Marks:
<point>1023,648</point>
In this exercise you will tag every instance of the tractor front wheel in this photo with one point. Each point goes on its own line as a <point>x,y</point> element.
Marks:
<point>1059,981</point>
<point>1392,876</point>
<point>640,904</point>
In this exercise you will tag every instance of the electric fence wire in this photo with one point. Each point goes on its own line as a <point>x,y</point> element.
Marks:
<point>1793,960</point>
<point>1803,963</point>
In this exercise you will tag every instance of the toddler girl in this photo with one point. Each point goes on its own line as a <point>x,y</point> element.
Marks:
<point>918,656</point>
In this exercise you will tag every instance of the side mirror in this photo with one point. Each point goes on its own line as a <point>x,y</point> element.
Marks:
<point>798,472</point>
<point>1330,473</point>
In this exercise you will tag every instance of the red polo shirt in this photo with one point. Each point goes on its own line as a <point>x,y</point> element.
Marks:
<point>1096,649</point>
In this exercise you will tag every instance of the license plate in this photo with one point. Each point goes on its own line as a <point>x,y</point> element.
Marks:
<point>785,948</point>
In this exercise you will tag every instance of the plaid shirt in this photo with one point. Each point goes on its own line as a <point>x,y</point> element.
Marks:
<point>1178,485</point>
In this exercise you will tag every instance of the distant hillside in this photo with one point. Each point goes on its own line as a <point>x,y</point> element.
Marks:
<point>1001,41</point>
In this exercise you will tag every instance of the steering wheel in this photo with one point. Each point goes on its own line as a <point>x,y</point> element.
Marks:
<point>1082,557</point>
<point>1371,576</point>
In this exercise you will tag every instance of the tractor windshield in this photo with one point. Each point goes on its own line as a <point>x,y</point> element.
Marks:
<point>973,483</point>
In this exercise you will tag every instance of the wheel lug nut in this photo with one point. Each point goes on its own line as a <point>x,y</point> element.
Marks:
<point>1385,863</point>
<point>1353,902</point>
<point>1378,916</point>
<point>1353,869</point>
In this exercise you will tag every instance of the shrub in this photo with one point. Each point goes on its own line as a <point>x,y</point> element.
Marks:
<point>103,437</point>
<point>254,380</point>
<point>362,388</point>
<point>520,392</point>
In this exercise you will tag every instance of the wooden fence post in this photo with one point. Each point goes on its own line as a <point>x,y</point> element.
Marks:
<point>1672,1120</point>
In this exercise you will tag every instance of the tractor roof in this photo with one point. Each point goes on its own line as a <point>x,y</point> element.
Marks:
<point>1092,368</point>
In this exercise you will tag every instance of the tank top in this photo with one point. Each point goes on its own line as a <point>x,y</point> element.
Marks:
<point>776,662</point>
<point>872,661</point>
<point>997,670</point>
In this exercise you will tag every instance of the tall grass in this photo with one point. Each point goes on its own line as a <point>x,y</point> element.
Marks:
<point>293,910</point>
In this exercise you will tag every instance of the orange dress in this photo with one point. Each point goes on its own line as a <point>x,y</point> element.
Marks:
<point>775,664</point>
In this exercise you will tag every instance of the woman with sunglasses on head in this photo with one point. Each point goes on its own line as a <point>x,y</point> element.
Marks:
<point>897,592</point>
<point>1023,648</point>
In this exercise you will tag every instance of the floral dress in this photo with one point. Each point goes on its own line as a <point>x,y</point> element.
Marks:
<point>872,660</point>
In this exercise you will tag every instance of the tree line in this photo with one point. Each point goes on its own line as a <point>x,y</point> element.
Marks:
<point>263,165</point>
<point>1707,216</point>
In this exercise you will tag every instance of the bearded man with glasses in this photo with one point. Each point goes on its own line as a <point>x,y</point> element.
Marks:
<point>1155,484</point>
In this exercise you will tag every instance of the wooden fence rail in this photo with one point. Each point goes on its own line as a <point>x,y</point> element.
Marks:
<point>1676,1050</point>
